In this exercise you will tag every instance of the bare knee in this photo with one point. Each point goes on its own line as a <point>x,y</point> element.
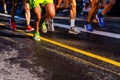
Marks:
<point>73,5</point>
<point>26,7</point>
<point>52,14</point>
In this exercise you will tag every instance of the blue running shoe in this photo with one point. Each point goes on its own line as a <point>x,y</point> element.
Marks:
<point>100,20</point>
<point>88,27</point>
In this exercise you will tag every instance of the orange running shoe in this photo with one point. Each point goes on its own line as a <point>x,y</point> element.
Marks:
<point>29,28</point>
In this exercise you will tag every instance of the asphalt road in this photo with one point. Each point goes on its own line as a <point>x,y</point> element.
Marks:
<point>60,55</point>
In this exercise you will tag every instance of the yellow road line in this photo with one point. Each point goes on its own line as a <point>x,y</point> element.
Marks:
<point>2,24</point>
<point>89,54</point>
<point>82,61</point>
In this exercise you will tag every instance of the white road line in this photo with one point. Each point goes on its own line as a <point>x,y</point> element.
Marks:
<point>102,33</point>
<point>97,32</point>
<point>83,19</point>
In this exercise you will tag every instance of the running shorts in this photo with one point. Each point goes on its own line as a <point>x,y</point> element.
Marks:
<point>35,3</point>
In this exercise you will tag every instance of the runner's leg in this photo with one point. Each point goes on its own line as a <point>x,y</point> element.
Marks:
<point>108,6</point>
<point>4,6</point>
<point>37,11</point>
<point>73,28</point>
<point>13,11</point>
<point>92,12</point>
<point>27,15</point>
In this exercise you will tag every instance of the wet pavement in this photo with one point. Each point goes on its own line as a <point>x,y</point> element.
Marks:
<point>24,59</point>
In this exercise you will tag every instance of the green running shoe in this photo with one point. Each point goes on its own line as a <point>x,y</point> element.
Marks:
<point>44,27</point>
<point>36,36</point>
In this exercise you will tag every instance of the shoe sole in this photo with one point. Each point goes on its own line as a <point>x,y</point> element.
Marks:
<point>71,32</point>
<point>44,31</point>
<point>38,40</point>
<point>29,30</point>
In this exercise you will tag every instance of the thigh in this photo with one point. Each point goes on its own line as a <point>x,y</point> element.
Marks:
<point>35,3</point>
<point>37,11</point>
<point>14,3</point>
<point>46,2</point>
<point>72,2</point>
<point>50,8</point>
<point>94,3</point>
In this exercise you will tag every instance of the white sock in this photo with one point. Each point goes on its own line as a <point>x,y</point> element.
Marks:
<point>72,22</point>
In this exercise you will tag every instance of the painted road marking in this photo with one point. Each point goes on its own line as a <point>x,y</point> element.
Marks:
<point>77,50</point>
<point>89,54</point>
<point>2,24</point>
<point>102,33</point>
<point>83,19</point>
<point>71,56</point>
<point>97,32</point>
<point>82,61</point>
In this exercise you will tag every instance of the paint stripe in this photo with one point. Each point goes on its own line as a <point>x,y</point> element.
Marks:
<point>83,19</point>
<point>102,33</point>
<point>83,52</point>
<point>2,24</point>
<point>82,61</point>
<point>92,55</point>
<point>77,50</point>
<point>97,32</point>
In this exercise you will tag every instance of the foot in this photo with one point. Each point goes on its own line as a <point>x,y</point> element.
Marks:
<point>5,12</point>
<point>44,27</point>
<point>100,20</point>
<point>37,36</point>
<point>74,30</point>
<point>29,28</point>
<point>88,27</point>
<point>12,25</point>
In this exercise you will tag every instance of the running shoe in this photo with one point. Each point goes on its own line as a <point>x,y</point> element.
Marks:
<point>100,20</point>
<point>5,12</point>
<point>88,27</point>
<point>50,25</point>
<point>12,25</point>
<point>44,27</point>
<point>29,28</point>
<point>36,36</point>
<point>74,30</point>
